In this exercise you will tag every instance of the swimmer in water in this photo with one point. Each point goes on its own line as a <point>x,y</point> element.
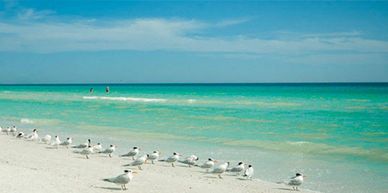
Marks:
<point>107,89</point>
<point>91,90</point>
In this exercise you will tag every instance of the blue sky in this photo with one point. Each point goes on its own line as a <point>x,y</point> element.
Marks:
<point>193,41</point>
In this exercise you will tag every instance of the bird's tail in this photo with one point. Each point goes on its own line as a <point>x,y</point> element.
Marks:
<point>107,180</point>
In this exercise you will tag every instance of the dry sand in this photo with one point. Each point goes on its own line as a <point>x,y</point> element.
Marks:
<point>35,168</point>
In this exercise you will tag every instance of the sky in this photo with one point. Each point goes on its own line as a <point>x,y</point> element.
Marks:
<point>125,41</point>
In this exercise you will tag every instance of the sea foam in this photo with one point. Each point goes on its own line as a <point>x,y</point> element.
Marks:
<point>124,99</point>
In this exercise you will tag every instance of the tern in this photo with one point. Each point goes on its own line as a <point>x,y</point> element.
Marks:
<point>56,142</point>
<point>7,130</point>
<point>122,179</point>
<point>191,160</point>
<point>97,148</point>
<point>138,162</point>
<point>20,135</point>
<point>83,145</point>
<point>87,151</point>
<point>208,164</point>
<point>46,139</point>
<point>249,172</point>
<point>172,159</point>
<point>33,136</point>
<point>154,156</point>
<point>13,130</point>
<point>67,143</point>
<point>237,169</point>
<point>220,169</point>
<point>134,151</point>
<point>109,150</point>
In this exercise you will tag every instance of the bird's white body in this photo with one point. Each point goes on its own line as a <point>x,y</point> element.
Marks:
<point>97,148</point>
<point>237,169</point>
<point>139,161</point>
<point>172,159</point>
<point>122,179</point>
<point>208,164</point>
<point>56,142</point>
<point>67,143</point>
<point>295,182</point>
<point>87,151</point>
<point>13,130</point>
<point>249,172</point>
<point>132,153</point>
<point>220,169</point>
<point>7,130</point>
<point>46,139</point>
<point>153,156</point>
<point>83,145</point>
<point>109,150</point>
<point>191,160</point>
<point>33,136</point>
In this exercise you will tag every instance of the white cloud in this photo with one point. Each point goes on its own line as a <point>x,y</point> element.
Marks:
<point>231,22</point>
<point>164,34</point>
<point>31,14</point>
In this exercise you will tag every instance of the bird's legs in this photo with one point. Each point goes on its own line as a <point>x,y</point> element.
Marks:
<point>139,167</point>
<point>125,188</point>
<point>152,162</point>
<point>122,188</point>
<point>219,175</point>
<point>87,157</point>
<point>173,165</point>
<point>110,155</point>
<point>133,157</point>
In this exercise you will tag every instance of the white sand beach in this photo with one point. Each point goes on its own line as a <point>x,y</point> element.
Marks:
<point>29,167</point>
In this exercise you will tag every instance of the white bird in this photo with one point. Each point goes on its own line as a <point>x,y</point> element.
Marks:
<point>122,179</point>
<point>249,172</point>
<point>13,130</point>
<point>97,148</point>
<point>33,136</point>
<point>56,142</point>
<point>296,181</point>
<point>208,164</point>
<point>7,130</point>
<point>220,169</point>
<point>191,160</point>
<point>237,169</point>
<point>154,156</point>
<point>138,162</point>
<point>83,145</point>
<point>87,151</point>
<point>132,153</point>
<point>20,135</point>
<point>172,159</point>
<point>67,143</point>
<point>46,139</point>
<point>109,150</point>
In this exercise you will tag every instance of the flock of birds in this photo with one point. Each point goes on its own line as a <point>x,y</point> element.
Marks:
<point>86,149</point>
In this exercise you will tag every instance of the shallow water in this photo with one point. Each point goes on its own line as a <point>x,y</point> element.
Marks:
<point>337,134</point>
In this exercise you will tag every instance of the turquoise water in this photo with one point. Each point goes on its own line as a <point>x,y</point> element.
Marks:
<point>337,134</point>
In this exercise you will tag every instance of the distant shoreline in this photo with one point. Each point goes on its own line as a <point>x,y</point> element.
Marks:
<point>211,84</point>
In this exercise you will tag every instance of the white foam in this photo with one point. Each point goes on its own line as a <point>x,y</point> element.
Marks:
<point>123,99</point>
<point>26,121</point>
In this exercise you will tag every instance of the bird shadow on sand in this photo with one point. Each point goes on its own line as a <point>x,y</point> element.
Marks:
<point>107,188</point>
<point>212,177</point>
<point>289,189</point>
<point>52,148</point>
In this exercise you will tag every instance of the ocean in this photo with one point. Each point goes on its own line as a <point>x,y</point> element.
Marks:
<point>336,134</point>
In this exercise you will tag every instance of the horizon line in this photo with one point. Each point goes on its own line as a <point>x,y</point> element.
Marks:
<point>188,83</point>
